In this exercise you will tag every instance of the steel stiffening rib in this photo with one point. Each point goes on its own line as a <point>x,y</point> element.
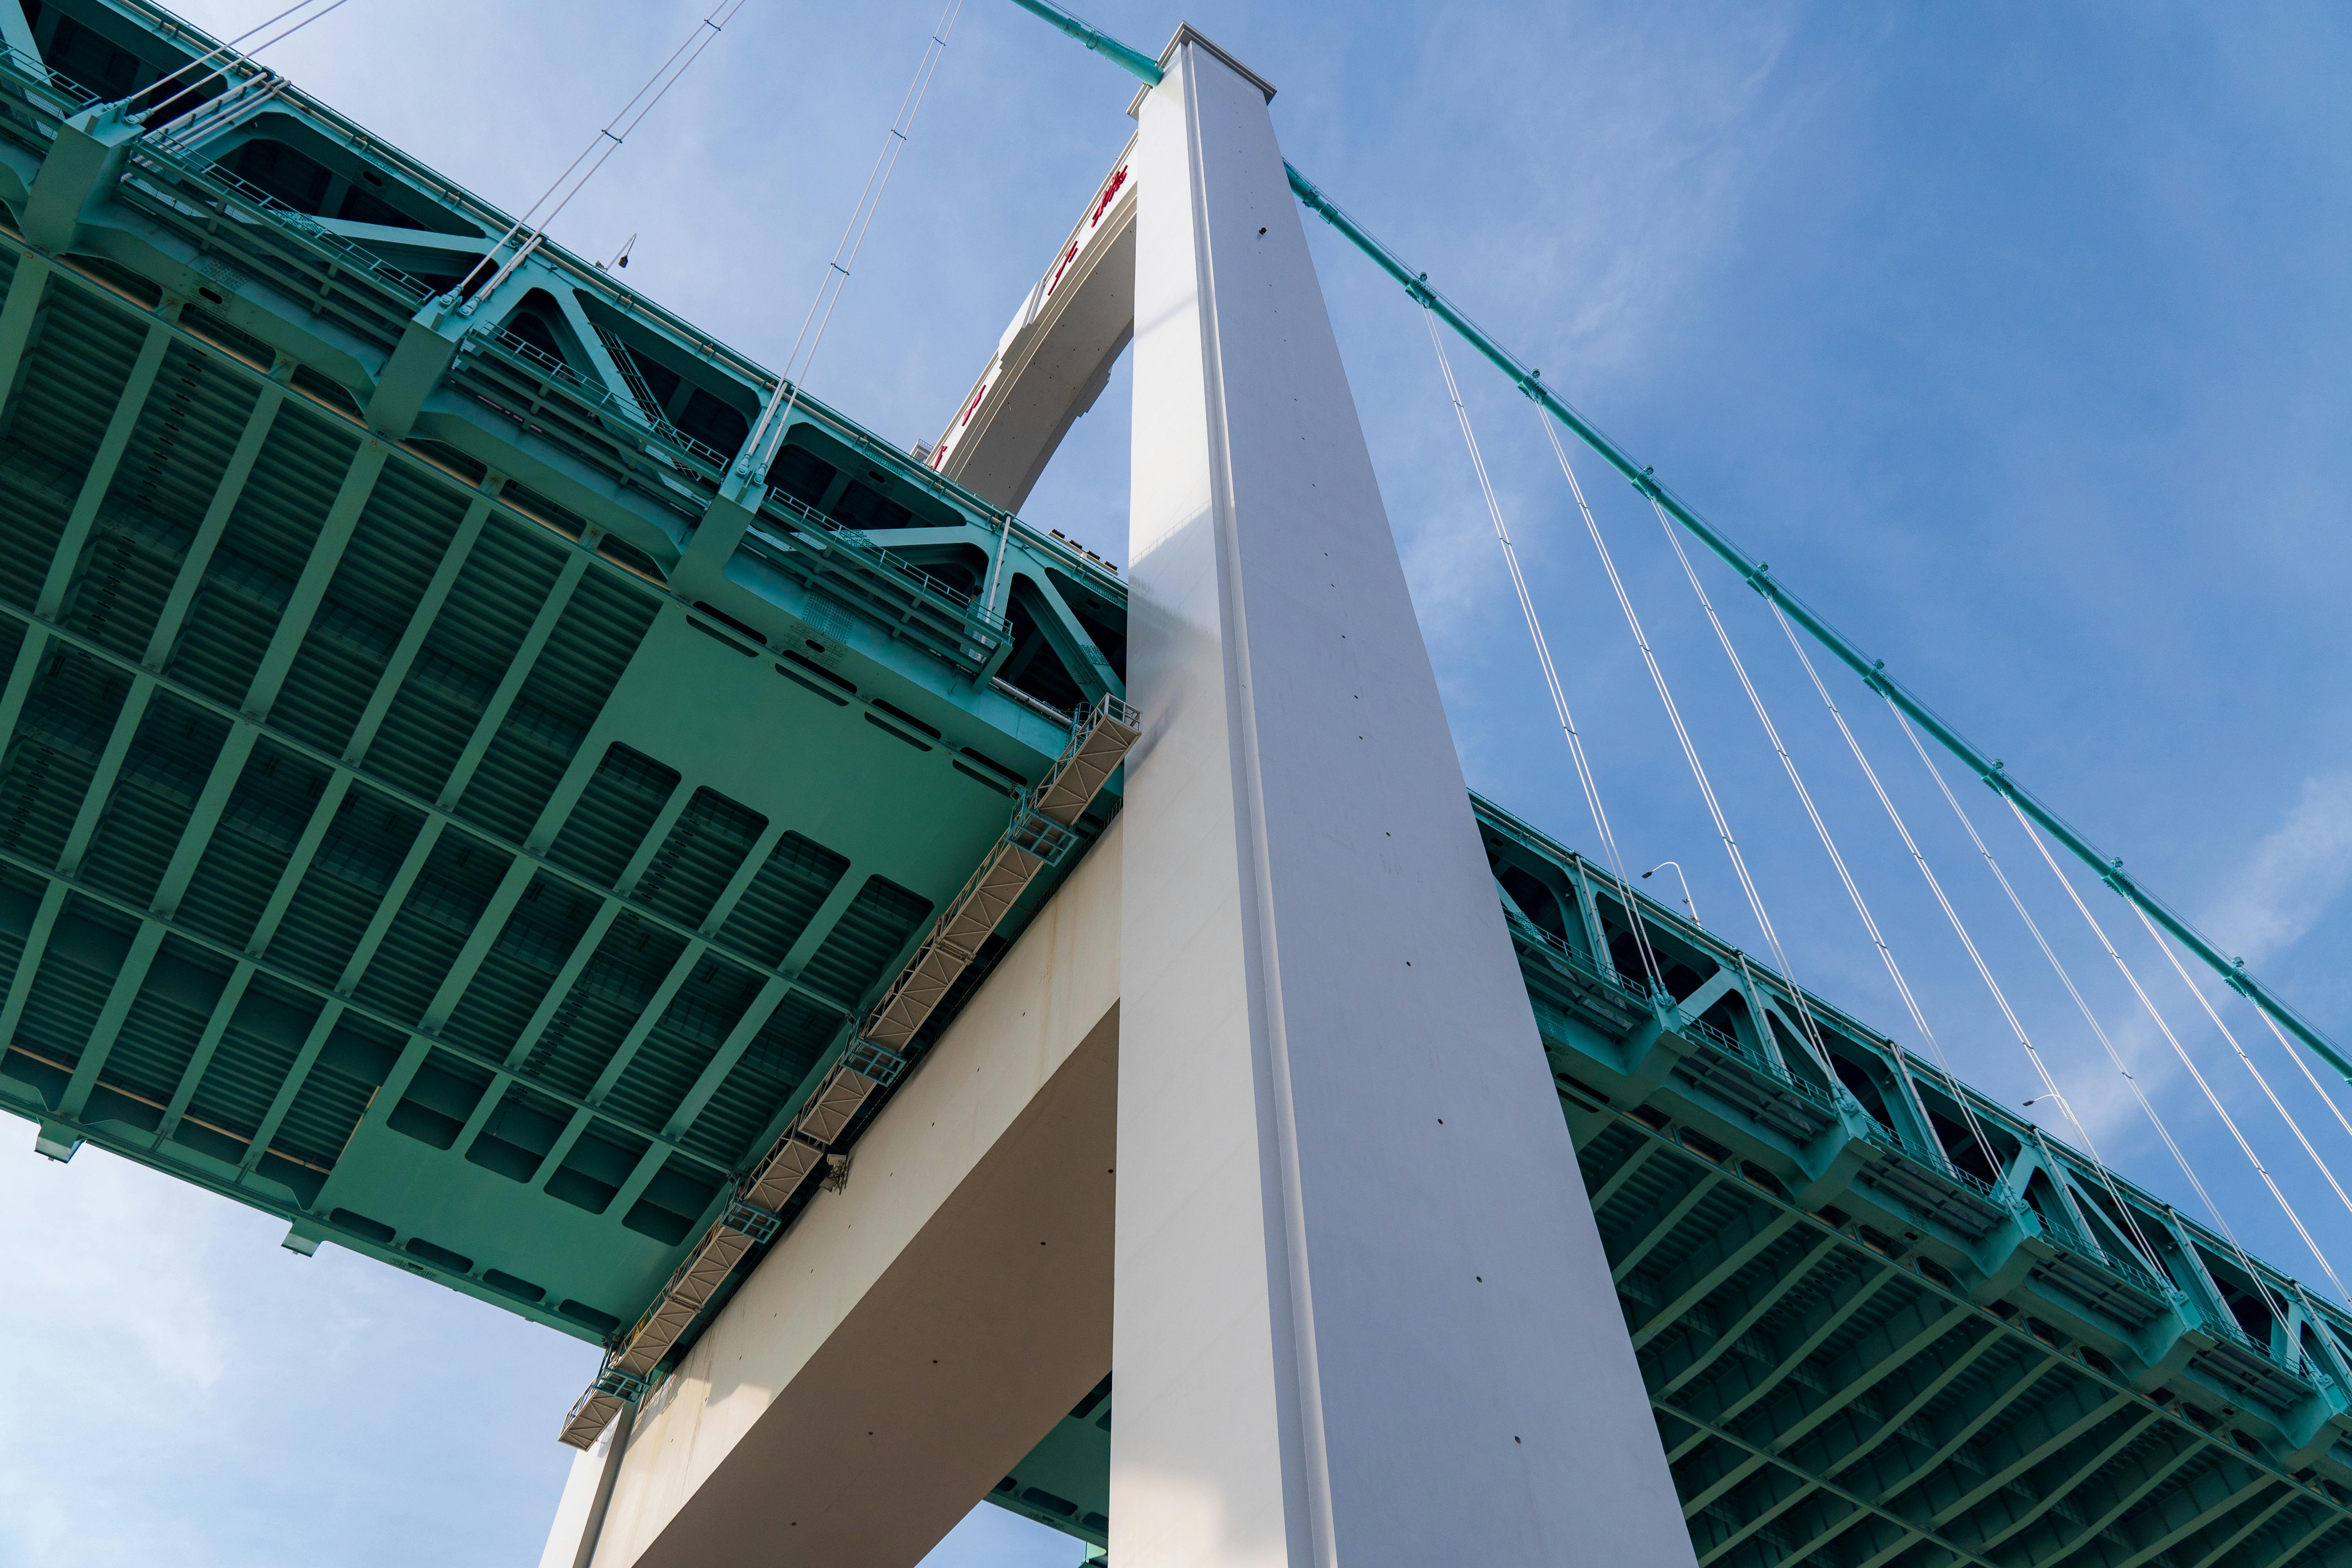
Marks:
<point>2129,1497</point>
<point>261,695</point>
<point>2292,1546</point>
<point>383,785</point>
<point>53,902</point>
<point>2214,1505</point>
<point>1043,826</point>
<point>2253,1521</point>
<point>2054,1492</point>
<point>1763,1456</point>
<point>24,298</point>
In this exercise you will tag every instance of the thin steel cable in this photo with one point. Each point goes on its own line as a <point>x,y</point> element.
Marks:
<point>199,111</point>
<point>227,48</point>
<point>230,49</point>
<point>1690,754</point>
<point>837,271</point>
<point>607,139</point>
<point>1960,930</point>
<point>2271,1095</point>
<point>2179,1050</point>
<point>2187,1171</point>
<point>2296,1057</point>
<point>1829,845</point>
<point>1550,673</point>
<point>234,107</point>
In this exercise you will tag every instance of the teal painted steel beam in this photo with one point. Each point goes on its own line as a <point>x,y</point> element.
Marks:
<point>226,494</point>
<point>1871,670</point>
<point>419,1042</point>
<point>392,791</point>
<point>421,622</point>
<point>100,479</point>
<point>17,312</point>
<point>1134,62</point>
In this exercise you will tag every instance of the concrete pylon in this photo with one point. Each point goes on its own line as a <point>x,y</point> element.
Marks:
<point>1361,1311</point>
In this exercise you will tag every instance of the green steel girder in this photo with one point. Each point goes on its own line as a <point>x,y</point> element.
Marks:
<point>2309,1528</point>
<point>100,475</point>
<point>1834,1388</point>
<point>276,661</point>
<point>1686,1363</point>
<point>60,885</point>
<point>438,816</point>
<point>131,232</point>
<point>16,313</point>
<point>2011,1451</point>
<point>1858,1351</point>
<point>292,366</point>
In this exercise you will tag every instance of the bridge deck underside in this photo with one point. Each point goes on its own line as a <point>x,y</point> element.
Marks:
<point>1857,1352</point>
<point>380,854</point>
<point>1821,1403</point>
<point>384,845</point>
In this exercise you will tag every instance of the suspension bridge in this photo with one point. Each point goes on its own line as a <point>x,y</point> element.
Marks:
<point>514,788</point>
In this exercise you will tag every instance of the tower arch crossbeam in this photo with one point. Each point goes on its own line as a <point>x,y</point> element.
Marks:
<point>444,806</point>
<point>1056,353</point>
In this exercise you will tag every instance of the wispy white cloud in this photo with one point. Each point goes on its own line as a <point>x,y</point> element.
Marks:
<point>2298,870</point>
<point>2295,874</point>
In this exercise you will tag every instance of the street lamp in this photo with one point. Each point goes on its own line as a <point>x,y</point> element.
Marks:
<point>1684,881</point>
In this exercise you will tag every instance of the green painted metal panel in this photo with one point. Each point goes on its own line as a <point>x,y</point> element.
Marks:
<point>463,890</point>
<point>357,925</point>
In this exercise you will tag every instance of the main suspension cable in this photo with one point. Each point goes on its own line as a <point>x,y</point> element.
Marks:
<point>1550,674</point>
<point>1829,844</point>
<point>1690,754</point>
<point>2211,1099</point>
<point>778,418</point>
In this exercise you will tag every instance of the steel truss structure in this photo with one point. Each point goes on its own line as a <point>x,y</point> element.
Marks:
<point>446,805</point>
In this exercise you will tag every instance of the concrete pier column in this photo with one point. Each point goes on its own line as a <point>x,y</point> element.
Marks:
<point>914,1333</point>
<point>1362,1313</point>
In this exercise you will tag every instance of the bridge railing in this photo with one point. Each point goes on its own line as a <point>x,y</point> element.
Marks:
<point>600,427</point>
<point>2238,1361</point>
<point>1559,947</point>
<point>710,461</point>
<point>1731,1045</point>
<point>221,215</point>
<point>860,543</point>
<point>348,252</point>
<point>37,73</point>
<point>842,564</point>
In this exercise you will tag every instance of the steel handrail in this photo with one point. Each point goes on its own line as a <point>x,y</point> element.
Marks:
<point>39,72</point>
<point>601,398</point>
<point>233,187</point>
<point>799,515</point>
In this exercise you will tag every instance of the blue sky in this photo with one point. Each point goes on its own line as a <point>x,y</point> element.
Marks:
<point>2013,336</point>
